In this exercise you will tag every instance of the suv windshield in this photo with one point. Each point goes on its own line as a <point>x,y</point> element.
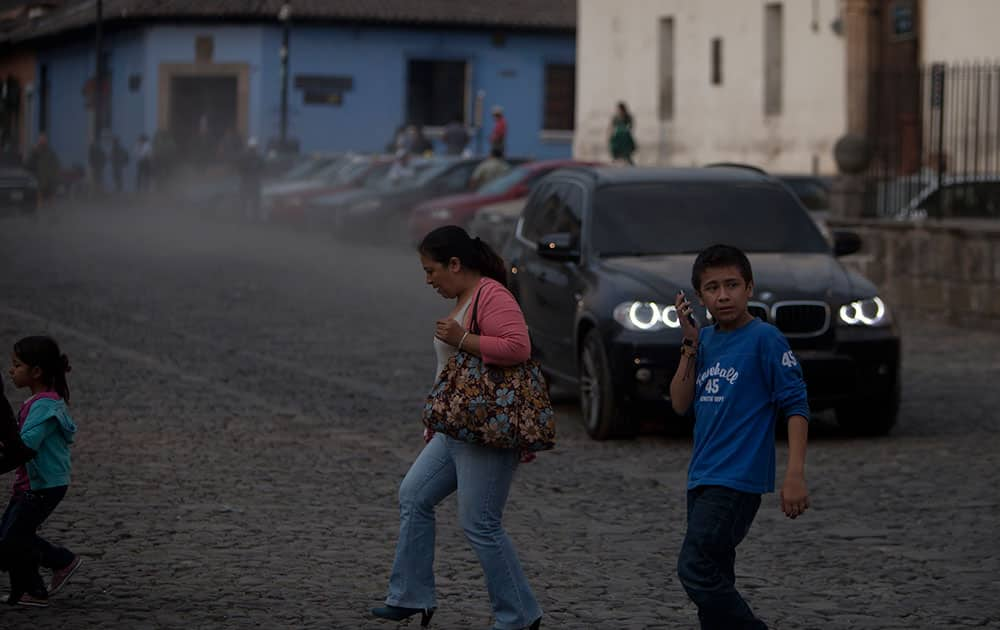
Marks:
<point>686,217</point>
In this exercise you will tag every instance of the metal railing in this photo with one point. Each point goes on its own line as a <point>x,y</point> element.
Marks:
<point>935,136</point>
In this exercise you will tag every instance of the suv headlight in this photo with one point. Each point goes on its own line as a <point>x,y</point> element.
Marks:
<point>441,214</point>
<point>646,316</point>
<point>866,312</point>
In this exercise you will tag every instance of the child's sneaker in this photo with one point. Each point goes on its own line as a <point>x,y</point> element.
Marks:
<point>35,602</point>
<point>60,576</point>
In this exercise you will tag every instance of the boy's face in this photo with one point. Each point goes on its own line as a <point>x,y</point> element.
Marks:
<point>725,294</point>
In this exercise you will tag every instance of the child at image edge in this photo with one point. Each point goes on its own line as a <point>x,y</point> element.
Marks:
<point>41,456</point>
<point>741,376</point>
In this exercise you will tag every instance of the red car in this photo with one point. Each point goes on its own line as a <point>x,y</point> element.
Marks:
<point>459,209</point>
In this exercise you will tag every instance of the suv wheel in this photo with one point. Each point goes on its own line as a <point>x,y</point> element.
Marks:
<point>603,417</point>
<point>869,416</point>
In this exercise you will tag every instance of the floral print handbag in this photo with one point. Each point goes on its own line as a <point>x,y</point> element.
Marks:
<point>491,405</point>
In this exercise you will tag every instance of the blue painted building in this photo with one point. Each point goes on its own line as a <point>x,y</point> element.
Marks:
<point>355,73</point>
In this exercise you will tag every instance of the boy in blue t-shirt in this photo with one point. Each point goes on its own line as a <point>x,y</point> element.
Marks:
<point>741,376</point>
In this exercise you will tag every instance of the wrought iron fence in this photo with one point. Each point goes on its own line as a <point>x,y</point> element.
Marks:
<point>935,142</point>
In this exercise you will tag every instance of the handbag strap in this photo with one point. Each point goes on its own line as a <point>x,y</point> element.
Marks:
<point>474,328</point>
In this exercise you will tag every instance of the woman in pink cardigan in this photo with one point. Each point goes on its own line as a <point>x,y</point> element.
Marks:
<point>459,268</point>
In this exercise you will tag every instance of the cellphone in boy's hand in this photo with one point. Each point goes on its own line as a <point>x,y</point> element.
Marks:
<point>690,317</point>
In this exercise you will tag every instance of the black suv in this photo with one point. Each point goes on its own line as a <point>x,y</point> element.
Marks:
<point>599,254</point>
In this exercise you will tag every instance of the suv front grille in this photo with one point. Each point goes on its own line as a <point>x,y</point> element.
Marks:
<point>801,319</point>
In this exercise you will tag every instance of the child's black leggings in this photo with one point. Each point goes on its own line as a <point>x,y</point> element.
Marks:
<point>22,551</point>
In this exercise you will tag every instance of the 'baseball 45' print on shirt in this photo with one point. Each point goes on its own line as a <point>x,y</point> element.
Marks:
<point>711,377</point>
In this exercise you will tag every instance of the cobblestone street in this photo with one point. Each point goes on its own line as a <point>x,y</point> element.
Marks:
<point>248,401</point>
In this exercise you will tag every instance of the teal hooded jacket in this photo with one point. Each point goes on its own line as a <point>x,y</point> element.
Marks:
<point>48,430</point>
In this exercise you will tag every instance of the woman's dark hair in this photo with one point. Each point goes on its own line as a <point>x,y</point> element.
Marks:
<point>451,241</point>
<point>43,353</point>
<point>720,256</point>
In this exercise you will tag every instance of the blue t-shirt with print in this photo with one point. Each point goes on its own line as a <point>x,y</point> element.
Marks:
<point>746,378</point>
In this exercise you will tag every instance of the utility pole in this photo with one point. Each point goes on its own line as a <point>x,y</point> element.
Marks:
<point>99,73</point>
<point>284,16</point>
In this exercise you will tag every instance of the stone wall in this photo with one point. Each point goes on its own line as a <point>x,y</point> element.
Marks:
<point>942,269</point>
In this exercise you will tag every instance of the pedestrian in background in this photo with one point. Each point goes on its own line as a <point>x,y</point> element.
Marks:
<point>251,169</point>
<point>463,269</point>
<point>164,157</point>
<point>143,163</point>
<point>96,158</point>
<point>44,164</point>
<point>489,169</point>
<point>740,375</point>
<point>417,143</point>
<point>498,137</point>
<point>119,158</point>
<point>621,140</point>
<point>41,482</point>
<point>455,137</point>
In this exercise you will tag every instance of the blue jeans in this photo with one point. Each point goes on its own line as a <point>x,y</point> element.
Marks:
<point>718,520</point>
<point>482,477</point>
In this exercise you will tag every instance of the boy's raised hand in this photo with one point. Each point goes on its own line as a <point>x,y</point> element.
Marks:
<point>794,495</point>
<point>683,307</point>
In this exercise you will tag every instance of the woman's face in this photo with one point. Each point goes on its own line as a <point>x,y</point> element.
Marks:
<point>444,278</point>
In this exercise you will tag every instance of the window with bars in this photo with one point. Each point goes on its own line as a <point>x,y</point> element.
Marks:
<point>435,92</point>
<point>560,97</point>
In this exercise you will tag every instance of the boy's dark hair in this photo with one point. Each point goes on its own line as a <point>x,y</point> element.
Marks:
<point>720,256</point>
<point>43,353</point>
<point>451,241</point>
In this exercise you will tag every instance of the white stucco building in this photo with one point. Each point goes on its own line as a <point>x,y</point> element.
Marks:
<point>763,82</point>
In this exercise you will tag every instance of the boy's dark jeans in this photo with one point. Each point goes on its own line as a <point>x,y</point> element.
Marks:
<point>718,520</point>
<point>22,551</point>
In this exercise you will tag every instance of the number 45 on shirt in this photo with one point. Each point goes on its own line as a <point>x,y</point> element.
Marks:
<point>788,359</point>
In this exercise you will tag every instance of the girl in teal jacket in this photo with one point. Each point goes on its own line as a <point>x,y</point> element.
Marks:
<point>43,464</point>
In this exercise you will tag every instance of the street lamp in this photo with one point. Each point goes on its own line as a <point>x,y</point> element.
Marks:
<point>285,17</point>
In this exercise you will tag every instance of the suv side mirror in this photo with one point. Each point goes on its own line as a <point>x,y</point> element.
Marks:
<point>845,243</point>
<point>559,246</point>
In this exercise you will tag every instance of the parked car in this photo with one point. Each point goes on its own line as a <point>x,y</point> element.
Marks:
<point>18,189</point>
<point>957,196</point>
<point>358,172</point>
<point>329,210</point>
<point>322,173</point>
<point>460,209</point>
<point>599,254</point>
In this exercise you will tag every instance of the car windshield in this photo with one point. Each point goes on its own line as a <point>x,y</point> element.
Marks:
<point>505,182</point>
<point>686,217</point>
<point>432,170</point>
<point>410,175</point>
<point>305,168</point>
<point>351,171</point>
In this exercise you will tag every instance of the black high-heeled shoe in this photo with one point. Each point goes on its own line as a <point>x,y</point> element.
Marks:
<point>398,613</point>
